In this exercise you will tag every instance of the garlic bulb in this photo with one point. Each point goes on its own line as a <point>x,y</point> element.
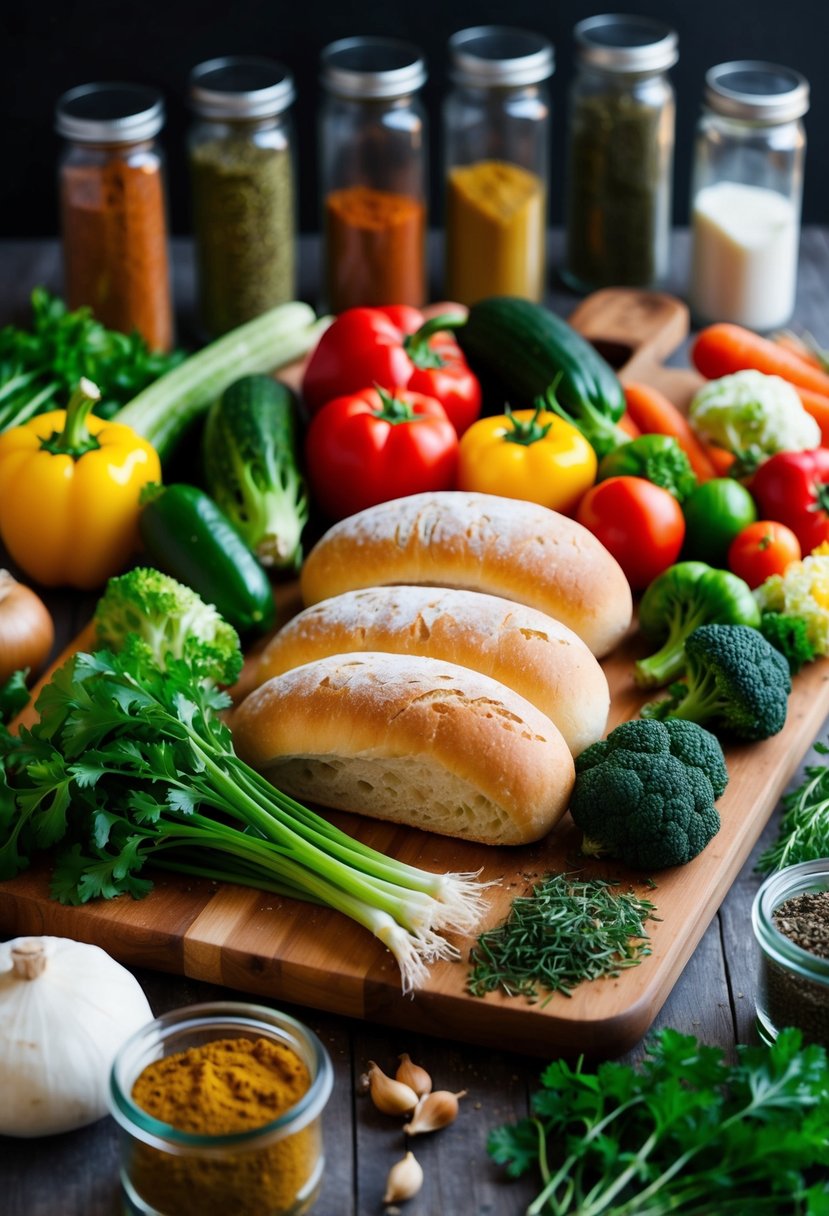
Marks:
<point>404,1181</point>
<point>65,1009</point>
<point>388,1095</point>
<point>433,1111</point>
<point>413,1075</point>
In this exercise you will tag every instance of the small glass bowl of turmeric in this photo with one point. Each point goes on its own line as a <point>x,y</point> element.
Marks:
<point>219,1108</point>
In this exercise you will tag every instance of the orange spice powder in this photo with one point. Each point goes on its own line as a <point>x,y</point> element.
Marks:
<point>375,245</point>
<point>115,243</point>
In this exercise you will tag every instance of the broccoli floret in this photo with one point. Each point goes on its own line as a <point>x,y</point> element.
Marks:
<point>735,680</point>
<point>789,635</point>
<point>155,618</point>
<point>645,795</point>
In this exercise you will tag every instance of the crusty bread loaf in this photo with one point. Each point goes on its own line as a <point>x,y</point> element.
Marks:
<point>536,656</point>
<point>482,542</point>
<point>409,739</point>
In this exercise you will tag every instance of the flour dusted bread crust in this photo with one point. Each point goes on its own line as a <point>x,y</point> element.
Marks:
<point>410,739</point>
<point>530,652</point>
<point>481,542</point>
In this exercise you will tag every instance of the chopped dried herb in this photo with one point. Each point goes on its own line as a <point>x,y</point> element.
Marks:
<point>567,931</point>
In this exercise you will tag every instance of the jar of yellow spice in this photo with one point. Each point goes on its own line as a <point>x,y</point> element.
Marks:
<point>219,1108</point>
<point>496,124</point>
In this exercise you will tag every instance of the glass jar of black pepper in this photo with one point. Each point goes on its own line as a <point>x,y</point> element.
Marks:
<point>243,191</point>
<point>791,923</point>
<point>620,153</point>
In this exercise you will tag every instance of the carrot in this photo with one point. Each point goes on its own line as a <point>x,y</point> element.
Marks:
<point>797,346</point>
<point>723,348</point>
<point>721,459</point>
<point>655,414</point>
<point>627,425</point>
<point>817,405</point>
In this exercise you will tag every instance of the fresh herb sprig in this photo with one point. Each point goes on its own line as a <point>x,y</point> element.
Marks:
<point>803,834</point>
<point>567,931</point>
<point>687,1133</point>
<point>40,367</point>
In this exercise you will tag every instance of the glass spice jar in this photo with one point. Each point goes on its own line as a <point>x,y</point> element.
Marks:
<point>243,193</point>
<point>273,1169</point>
<point>620,145</point>
<point>373,173</point>
<point>496,123</point>
<point>113,209</point>
<point>745,195</point>
<point>790,916</point>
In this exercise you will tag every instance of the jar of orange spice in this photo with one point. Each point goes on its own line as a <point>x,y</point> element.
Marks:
<point>112,204</point>
<point>373,163</point>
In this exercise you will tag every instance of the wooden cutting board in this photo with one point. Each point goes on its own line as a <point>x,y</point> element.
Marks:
<point>288,951</point>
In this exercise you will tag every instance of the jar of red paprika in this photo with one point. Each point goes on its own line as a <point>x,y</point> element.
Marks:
<point>113,212</point>
<point>373,171</point>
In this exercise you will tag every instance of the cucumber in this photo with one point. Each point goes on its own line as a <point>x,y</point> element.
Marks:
<point>530,355</point>
<point>251,465</point>
<point>163,411</point>
<point>188,536</point>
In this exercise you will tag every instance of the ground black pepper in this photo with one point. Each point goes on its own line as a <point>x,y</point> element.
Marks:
<point>243,214</point>
<point>794,999</point>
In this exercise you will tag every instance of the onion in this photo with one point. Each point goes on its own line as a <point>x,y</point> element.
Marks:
<point>26,629</point>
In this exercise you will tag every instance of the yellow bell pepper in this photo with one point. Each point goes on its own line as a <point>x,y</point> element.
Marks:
<point>529,454</point>
<point>69,487</point>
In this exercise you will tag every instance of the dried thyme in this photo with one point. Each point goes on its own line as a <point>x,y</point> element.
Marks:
<point>567,931</point>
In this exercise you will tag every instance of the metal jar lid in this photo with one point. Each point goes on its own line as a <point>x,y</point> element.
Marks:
<point>240,86</point>
<point>370,68</point>
<point>617,42</point>
<point>110,113</point>
<point>753,90</point>
<point>497,55</point>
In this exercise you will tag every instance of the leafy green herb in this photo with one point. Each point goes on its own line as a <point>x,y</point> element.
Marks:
<point>567,931</point>
<point>41,367</point>
<point>130,763</point>
<point>14,695</point>
<point>789,635</point>
<point>803,834</point>
<point>687,1133</point>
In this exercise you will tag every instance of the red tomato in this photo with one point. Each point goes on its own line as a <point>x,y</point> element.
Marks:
<point>641,524</point>
<point>762,549</point>
<point>371,446</point>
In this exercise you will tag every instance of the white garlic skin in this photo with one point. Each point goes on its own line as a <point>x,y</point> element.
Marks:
<point>59,1033</point>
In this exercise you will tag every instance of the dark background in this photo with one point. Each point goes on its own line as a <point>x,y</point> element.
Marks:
<point>47,46</point>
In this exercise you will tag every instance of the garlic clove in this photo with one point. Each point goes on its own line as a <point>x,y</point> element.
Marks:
<point>390,1096</point>
<point>414,1076</point>
<point>434,1111</point>
<point>404,1181</point>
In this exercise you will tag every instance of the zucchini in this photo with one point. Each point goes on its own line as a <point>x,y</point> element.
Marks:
<point>531,356</point>
<point>163,411</point>
<point>187,535</point>
<point>251,464</point>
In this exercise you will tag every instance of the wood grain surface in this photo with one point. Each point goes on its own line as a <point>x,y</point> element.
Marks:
<point>279,948</point>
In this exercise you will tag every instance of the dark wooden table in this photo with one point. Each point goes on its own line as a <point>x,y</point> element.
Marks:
<point>77,1174</point>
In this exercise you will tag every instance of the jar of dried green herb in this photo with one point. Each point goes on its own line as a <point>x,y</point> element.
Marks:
<point>620,153</point>
<point>791,923</point>
<point>243,192</point>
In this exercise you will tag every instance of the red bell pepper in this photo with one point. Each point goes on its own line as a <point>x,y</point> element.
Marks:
<point>395,348</point>
<point>370,446</point>
<point>793,488</point>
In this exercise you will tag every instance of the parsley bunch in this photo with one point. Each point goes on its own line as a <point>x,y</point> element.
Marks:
<point>41,367</point>
<point>687,1133</point>
<point>131,764</point>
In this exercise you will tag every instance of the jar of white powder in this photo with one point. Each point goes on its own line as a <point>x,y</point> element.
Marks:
<point>745,195</point>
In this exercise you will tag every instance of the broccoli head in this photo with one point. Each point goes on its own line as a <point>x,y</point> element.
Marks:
<point>155,618</point>
<point>735,681</point>
<point>789,635</point>
<point>683,597</point>
<point>645,795</point>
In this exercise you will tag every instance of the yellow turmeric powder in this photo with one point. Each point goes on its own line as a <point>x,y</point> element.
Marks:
<point>495,232</point>
<point>222,1088</point>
